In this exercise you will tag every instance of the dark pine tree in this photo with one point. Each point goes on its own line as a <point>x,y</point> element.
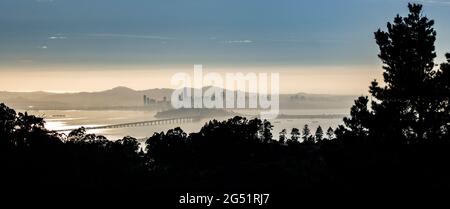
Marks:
<point>267,132</point>
<point>295,135</point>
<point>283,136</point>
<point>330,133</point>
<point>411,105</point>
<point>306,132</point>
<point>443,93</point>
<point>407,52</point>
<point>319,134</point>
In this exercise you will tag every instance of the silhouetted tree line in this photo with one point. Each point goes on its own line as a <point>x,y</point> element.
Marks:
<point>398,140</point>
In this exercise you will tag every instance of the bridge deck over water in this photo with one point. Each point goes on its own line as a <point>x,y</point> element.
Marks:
<point>140,123</point>
<point>196,119</point>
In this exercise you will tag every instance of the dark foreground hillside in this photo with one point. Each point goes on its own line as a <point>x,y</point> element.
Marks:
<point>233,156</point>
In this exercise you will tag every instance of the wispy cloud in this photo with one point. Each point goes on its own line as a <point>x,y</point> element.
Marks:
<point>57,37</point>
<point>131,36</point>
<point>42,47</point>
<point>239,42</point>
<point>315,41</point>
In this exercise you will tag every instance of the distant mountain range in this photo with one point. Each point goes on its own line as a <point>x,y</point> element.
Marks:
<point>126,98</point>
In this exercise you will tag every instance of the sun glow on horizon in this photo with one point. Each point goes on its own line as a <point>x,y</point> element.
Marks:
<point>293,79</point>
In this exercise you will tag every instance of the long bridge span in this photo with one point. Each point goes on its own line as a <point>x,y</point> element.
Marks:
<point>141,123</point>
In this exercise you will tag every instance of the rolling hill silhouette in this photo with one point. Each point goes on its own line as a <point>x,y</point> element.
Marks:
<point>126,98</point>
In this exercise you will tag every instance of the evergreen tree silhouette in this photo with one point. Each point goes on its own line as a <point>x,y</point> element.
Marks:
<point>410,106</point>
<point>306,132</point>
<point>319,134</point>
<point>407,52</point>
<point>443,93</point>
<point>267,133</point>
<point>7,124</point>
<point>295,135</point>
<point>283,136</point>
<point>330,133</point>
<point>357,125</point>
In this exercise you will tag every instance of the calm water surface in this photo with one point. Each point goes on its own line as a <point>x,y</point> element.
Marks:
<point>87,118</point>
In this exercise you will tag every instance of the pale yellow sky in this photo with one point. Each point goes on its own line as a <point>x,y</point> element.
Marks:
<point>310,79</point>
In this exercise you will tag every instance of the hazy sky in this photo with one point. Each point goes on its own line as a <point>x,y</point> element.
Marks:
<point>86,45</point>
